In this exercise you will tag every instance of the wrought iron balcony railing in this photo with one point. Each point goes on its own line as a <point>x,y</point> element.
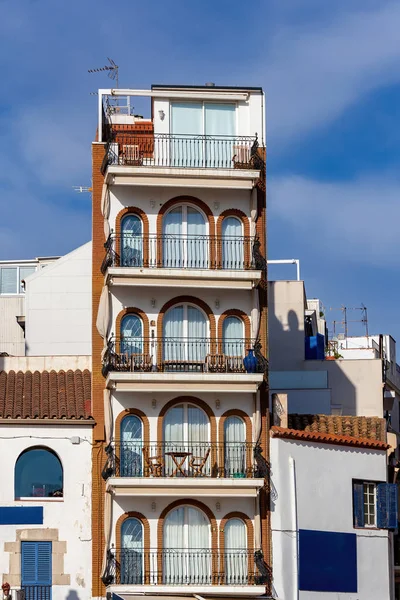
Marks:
<point>196,567</point>
<point>34,592</point>
<point>173,251</point>
<point>185,355</point>
<point>185,459</point>
<point>148,149</point>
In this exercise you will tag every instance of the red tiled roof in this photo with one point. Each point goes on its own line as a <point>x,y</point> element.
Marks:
<point>45,395</point>
<point>373,428</point>
<point>327,438</point>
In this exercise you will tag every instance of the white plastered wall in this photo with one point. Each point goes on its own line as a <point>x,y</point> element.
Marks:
<point>324,475</point>
<point>69,518</point>
<point>59,306</point>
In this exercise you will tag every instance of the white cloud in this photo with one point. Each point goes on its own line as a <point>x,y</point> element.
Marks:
<point>355,221</point>
<point>314,73</point>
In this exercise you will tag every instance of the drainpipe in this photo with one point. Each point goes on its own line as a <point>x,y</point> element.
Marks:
<point>293,502</point>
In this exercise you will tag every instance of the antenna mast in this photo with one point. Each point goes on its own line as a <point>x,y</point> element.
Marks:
<point>112,69</point>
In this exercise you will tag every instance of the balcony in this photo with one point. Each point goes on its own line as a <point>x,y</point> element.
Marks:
<point>157,570</point>
<point>34,592</point>
<point>236,469</point>
<point>209,261</point>
<point>143,148</point>
<point>178,364</point>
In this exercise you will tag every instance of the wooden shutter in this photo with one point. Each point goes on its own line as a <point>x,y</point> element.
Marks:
<point>386,499</point>
<point>36,563</point>
<point>358,504</point>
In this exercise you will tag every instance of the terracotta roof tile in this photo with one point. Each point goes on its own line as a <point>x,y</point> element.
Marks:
<point>373,428</point>
<point>328,438</point>
<point>45,395</point>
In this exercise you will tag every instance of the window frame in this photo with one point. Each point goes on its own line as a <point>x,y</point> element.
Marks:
<point>203,111</point>
<point>39,498</point>
<point>20,290</point>
<point>383,506</point>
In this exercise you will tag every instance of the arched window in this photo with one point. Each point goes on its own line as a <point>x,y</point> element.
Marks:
<point>236,552</point>
<point>232,243</point>
<point>132,551</point>
<point>186,547</point>
<point>131,459</point>
<point>38,474</point>
<point>185,333</point>
<point>185,242</point>
<point>186,430</point>
<point>131,334</point>
<point>235,447</point>
<point>233,337</point>
<point>131,241</point>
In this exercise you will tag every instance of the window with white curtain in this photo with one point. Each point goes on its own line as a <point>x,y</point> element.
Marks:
<point>236,552</point>
<point>186,429</point>
<point>131,241</point>
<point>202,133</point>
<point>186,547</point>
<point>11,279</point>
<point>132,551</point>
<point>233,336</point>
<point>131,333</point>
<point>185,242</point>
<point>131,447</point>
<point>185,336</point>
<point>235,446</point>
<point>232,243</point>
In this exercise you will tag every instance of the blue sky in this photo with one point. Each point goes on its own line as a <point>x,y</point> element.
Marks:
<point>332,79</point>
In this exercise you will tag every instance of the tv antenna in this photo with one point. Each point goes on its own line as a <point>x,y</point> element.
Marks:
<point>112,69</point>
<point>82,189</point>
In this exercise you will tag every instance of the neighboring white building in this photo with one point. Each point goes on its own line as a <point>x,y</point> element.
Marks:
<point>316,385</point>
<point>331,513</point>
<point>45,496</point>
<point>59,306</point>
<point>13,274</point>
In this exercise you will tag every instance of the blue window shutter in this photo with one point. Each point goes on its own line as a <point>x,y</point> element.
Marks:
<point>36,563</point>
<point>392,505</point>
<point>358,504</point>
<point>382,505</point>
<point>44,563</point>
<point>29,563</point>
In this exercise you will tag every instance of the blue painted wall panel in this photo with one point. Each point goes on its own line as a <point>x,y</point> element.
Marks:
<point>327,561</point>
<point>21,515</point>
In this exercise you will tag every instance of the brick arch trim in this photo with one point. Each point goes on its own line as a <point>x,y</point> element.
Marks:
<point>137,413</point>
<point>213,425</point>
<point>132,310</point>
<point>236,412</point>
<point>191,400</point>
<point>146,539</point>
<point>176,202</point>
<point>234,312</point>
<point>234,212</point>
<point>133,210</point>
<point>191,300</point>
<point>213,523</point>
<point>250,539</point>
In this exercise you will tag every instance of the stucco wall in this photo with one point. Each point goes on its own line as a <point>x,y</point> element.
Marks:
<point>66,521</point>
<point>323,483</point>
<point>58,306</point>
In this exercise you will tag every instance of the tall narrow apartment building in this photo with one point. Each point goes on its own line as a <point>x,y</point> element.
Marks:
<point>180,398</point>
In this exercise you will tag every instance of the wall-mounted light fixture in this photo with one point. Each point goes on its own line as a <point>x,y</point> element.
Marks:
<point>153,302</point>
<point>152,203</point>
<point>218,506</point>
<point>153,506</point>
<point>217,303</point>
<point>161,114</point>
<point>218,403</point>
<point>154,403</point>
